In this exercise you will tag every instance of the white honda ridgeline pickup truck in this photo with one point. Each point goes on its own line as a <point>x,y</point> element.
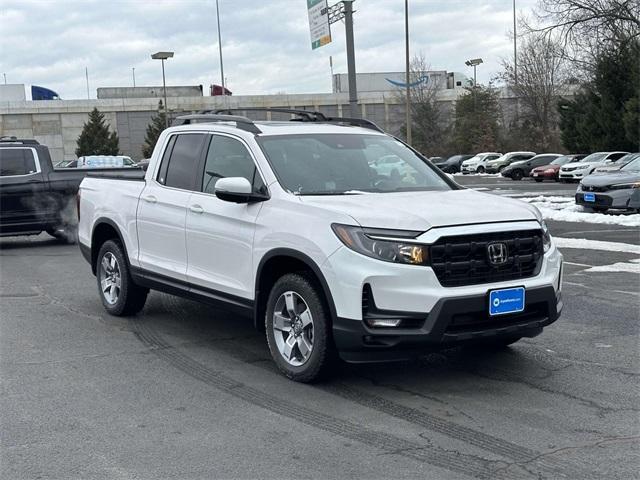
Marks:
<point>300,225</point>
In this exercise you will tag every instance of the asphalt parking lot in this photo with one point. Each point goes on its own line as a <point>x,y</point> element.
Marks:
<point>184,391</point>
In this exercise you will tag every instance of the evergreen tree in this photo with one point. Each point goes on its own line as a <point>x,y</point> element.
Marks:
<point>154,129</point>
<point>604,115</point>
<point>95,138</point>
<point>476,121</point>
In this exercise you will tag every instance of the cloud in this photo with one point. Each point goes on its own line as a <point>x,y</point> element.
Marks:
<point>266,44</point>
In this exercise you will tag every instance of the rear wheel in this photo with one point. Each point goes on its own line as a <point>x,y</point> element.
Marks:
<point>119,295</point>
<point>298,328</point>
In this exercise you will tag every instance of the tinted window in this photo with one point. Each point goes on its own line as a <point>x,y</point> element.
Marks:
<point>16,161</point>
<point>616,156</point>
<point>182,162</point>
<point>228,157</point>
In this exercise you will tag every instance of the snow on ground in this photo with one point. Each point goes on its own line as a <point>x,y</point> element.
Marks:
<point>460,174</point>
<point>633,266</point>
<point>564,209</point>
<point>583,243</point>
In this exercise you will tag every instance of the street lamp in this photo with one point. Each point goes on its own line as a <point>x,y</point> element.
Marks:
<point>473,63</point>
<point>163,56</point>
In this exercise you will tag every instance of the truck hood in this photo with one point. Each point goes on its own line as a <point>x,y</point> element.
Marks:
<point>421,211</point>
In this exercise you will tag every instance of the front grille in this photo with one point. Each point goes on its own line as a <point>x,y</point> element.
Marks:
<point>464,260</point>
<point>590,188</point>
<point>568,169</point>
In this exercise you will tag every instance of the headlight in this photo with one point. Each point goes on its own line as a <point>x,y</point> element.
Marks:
<point>624,186</point>
<point>385,245</point>
<point>546,237</point>
<point>581,167</point>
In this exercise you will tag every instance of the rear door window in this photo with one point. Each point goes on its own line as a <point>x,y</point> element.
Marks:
<point>16,161</point>
<point>180,160</point>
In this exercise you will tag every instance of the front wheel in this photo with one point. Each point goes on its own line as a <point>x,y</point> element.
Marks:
<point>517,175</point>
<point>119,295</point>
<point>298,328</point>
<point>480,169</point>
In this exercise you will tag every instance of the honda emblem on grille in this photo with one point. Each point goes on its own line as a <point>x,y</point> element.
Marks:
<point>497,253</point>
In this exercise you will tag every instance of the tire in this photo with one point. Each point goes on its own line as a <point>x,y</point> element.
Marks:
<point>124,296</point>
<point>480,169</point>
<point>538,180</point>
<point>517,175</point>
<point>300,293</point>
<point>501,167</point>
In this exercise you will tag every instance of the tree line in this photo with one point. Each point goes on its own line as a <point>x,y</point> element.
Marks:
<point>574,86</point>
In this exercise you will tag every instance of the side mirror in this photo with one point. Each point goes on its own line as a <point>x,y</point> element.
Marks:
<point>237,190</point>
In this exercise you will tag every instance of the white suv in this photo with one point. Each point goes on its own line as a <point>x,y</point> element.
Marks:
<point>295,225</point>
<point>478,163</point>
<point>586,166</point>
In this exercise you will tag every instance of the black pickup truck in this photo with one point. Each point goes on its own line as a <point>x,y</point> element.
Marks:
<point>35,197</point>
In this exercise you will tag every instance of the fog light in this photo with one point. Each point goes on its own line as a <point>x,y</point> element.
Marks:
<point>383,322</point>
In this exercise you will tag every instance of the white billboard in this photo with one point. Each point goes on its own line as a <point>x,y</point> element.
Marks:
<point>319,23</point>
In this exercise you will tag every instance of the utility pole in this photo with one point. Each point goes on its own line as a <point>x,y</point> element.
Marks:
<point>133,69</point>
<point>86,74</point>
<point>408,77</point>
<point>515,42</point>
<point>5,78</point>
<point>351,58</point>
<point>220,49</point>
<point>331,67</point>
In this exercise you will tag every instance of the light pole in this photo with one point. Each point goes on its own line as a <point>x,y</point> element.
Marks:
<point>474,62</point>
<point>163,56</point>
<point>220,49</point>
<point>408,78</point>
<point>351,58</point>
<point>133,70</point>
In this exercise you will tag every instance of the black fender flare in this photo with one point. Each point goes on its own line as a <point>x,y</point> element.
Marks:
<point>112,224</point>
<point>288,252</point>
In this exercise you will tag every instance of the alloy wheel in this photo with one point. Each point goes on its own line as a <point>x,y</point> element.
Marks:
<point>293,328</point>
<point>110,278</point>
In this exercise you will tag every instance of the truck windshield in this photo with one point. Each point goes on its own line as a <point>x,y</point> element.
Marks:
<point>339,164</point>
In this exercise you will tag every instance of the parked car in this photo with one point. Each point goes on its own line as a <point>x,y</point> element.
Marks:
<point>288,223</point>
<point>550,172</point>
<point>390,165</point>
<point>66,164</point>
<point>496,166</point>
<point>35,197</point>
<point>143,164</point>
<point>614,166</point>
<point>619,190</point>
<point>577,171</point>
<point>452,165</point>
<point>438,161</point>
<point>522,168</point>
<point>105,161</point>
<point>477,163</point>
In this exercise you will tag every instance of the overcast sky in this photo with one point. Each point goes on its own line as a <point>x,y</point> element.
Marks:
<point>266,45</point>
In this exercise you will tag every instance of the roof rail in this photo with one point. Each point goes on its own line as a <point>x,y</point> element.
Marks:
<point>308,115</point>
<point>23,141</point>
<point>304,116</point>
<point>242,123</point>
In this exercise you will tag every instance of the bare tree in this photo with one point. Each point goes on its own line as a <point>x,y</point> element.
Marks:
<point>427,116</point>
<point>543,77</point>
<point>586,27</point>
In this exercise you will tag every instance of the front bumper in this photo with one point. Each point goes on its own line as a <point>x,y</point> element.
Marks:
<point>469,169</point>
<point>452,321</point>
<point>623,199</point>
<point>573,175</point>
<point>414,292</point>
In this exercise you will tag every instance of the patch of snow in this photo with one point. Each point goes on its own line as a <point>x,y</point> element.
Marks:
<point>631,267</point>
<point>564,209</point>
<point>584,244</point>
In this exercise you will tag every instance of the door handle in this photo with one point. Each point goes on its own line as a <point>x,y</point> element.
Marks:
<point>150,199</point>
<point>196,208</point>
